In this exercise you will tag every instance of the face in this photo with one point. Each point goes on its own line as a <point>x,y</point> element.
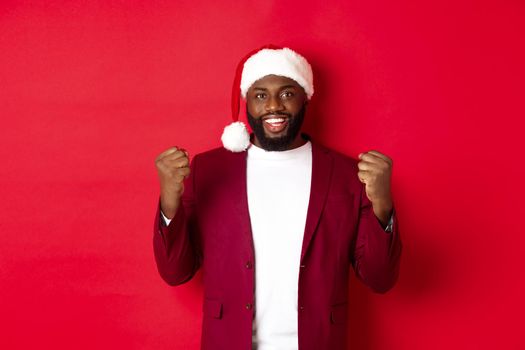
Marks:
<point>275,107</point>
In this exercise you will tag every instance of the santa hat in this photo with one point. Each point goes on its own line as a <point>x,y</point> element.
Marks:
<point>269,59</point>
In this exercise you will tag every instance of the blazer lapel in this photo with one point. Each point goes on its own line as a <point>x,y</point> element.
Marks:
<point>239,196</point>
<point>321,175</point>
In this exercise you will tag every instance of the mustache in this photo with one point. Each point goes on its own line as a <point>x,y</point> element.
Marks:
<point>277,113</point>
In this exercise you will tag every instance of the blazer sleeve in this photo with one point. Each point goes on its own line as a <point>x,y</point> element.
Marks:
<point>176,246</point>
<point>376,254</point>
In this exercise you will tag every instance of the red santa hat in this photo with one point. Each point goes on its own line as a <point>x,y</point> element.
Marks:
<point>269,59</point>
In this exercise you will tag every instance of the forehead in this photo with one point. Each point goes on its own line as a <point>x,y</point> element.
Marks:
<point>274,81</point>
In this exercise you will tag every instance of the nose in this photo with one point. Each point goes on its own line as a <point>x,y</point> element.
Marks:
<point>274,104</point>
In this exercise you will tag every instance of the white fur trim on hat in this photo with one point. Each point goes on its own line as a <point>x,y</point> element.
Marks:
<point>235,137</point>
<point>284,62</point>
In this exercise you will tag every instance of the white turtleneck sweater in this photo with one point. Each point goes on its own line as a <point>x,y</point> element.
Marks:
<point>278,185</point>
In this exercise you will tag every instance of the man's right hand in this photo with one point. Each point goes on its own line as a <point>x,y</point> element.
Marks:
<point>173,167</point>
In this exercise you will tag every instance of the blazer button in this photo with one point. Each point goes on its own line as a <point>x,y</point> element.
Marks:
<point>248,306</point>
<point>249,264</point>
<point>301,308</point>
<point>302,266</point>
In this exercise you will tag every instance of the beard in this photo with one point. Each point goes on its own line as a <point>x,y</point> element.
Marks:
<point>280,143</point>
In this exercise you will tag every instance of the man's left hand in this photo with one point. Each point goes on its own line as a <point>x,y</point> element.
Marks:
<point>375,170</point>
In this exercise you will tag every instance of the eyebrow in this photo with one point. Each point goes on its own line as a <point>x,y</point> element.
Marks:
<point>282,87</point>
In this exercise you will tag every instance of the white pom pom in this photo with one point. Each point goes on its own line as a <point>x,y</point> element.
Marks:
<point>235,137</point>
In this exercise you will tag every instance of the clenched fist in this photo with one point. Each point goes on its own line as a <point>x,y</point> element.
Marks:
<point>375,170</point>
<point>173,167</point>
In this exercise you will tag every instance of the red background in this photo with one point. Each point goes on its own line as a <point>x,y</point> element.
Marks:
<point>91,92</point>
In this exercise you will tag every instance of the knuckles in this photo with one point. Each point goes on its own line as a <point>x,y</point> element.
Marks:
<point>381,166</point>
<point>368,156</point>
<point>163,162</point>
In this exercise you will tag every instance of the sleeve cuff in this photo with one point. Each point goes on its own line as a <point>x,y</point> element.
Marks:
<point>167,221</point>
<point>390,225</point>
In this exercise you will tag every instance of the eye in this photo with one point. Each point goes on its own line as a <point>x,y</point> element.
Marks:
<point>287,94</point>
<point>260,96</point>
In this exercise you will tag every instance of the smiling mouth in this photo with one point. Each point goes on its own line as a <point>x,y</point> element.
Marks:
<point>275,124</point>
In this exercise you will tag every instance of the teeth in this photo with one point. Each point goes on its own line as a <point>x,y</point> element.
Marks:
<point>274,120</point>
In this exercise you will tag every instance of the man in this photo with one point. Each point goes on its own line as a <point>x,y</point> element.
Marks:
<point>275,219</point>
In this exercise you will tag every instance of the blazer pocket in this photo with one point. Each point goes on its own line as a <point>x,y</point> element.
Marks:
<point>212,308</point>
<point>339,313</point>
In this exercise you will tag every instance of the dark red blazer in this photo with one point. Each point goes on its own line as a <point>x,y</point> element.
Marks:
<point>212,231</point>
